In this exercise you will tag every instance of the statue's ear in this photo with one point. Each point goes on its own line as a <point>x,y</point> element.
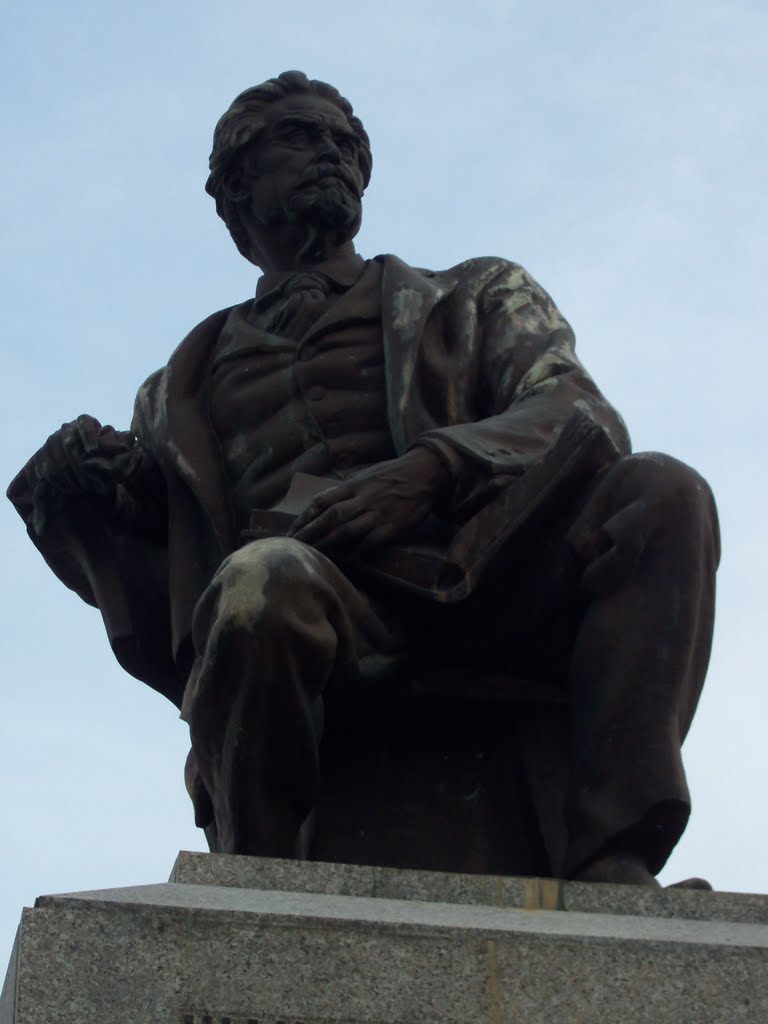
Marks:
<point>234,185</point>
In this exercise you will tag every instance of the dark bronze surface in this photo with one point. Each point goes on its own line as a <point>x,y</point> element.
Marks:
<point>379,536</point>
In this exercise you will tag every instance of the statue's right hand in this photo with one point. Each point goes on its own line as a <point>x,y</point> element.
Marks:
<point>80,458</point>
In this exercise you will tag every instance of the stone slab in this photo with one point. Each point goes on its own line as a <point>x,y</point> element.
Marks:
<point>443,887</point>
<point>298,951</point>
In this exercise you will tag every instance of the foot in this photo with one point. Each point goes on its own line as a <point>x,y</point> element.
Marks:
<point>617,868</point>
<point>692,883</point>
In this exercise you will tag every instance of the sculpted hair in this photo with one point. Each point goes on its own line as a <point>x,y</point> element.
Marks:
<point>241,125</point>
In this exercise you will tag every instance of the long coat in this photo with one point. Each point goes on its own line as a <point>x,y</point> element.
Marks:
<point>479,363</point>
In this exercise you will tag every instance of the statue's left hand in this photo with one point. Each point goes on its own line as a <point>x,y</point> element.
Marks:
<point>82,458</point>
<point>375,507</point>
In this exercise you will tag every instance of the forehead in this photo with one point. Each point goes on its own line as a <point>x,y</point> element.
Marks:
<point>308,108</point>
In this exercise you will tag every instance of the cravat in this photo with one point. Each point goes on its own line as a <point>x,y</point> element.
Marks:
<point>303,300</point>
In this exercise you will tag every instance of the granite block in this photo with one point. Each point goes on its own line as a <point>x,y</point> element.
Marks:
<point>444,887</point>
<point>272,873</point>
<point>312,952</point>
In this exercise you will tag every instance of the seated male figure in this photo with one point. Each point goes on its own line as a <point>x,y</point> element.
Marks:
<point>424,396</point>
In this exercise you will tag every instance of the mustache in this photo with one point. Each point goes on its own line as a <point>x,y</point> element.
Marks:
<point>317,172</point>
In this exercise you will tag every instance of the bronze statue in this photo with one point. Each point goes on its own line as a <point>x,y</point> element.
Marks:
<point>367,471</point>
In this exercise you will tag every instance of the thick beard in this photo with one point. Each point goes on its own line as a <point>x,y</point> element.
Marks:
<point>329,213</point>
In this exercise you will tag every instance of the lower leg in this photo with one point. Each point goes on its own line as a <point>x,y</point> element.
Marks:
<point>276,624</point>
<point>638,665</point>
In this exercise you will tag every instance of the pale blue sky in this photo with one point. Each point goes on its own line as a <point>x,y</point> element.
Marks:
<point>616,150</point>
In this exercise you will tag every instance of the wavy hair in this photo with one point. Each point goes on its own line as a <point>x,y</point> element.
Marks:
<point>241,125</point>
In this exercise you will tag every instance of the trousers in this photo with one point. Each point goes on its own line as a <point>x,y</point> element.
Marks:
<point>614,598</point>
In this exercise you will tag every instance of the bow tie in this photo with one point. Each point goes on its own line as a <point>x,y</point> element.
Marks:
<point>303,300</point>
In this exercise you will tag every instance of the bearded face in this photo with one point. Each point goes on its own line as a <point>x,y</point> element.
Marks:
<point>303,173</point>
<point>326,204</point>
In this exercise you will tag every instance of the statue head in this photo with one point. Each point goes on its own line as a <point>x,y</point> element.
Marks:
<point>291,154</point>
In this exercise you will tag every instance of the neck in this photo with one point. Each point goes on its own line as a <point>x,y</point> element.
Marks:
<point>288,253</point>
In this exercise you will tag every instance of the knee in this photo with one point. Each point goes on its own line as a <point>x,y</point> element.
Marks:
<point>666,487</point>
<point>267,565</point>
<point>645,502</point>
<point>255,585</point>
<point>673,496</point>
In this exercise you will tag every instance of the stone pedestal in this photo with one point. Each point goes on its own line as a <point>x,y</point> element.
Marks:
<point>235,940</point>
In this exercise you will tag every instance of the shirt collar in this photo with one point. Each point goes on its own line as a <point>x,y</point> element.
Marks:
<point>342,270</point>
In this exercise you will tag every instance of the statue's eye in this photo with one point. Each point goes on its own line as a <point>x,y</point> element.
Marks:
<point>346,145</point>
<point>295,134</point>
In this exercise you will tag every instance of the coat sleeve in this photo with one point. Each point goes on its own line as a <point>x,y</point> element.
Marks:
<point>527,384</point>
<point>116,562</point>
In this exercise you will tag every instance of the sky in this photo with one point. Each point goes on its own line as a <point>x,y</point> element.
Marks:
<point>617,151</point>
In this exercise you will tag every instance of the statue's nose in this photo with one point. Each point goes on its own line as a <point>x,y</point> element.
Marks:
<point>327,149</point>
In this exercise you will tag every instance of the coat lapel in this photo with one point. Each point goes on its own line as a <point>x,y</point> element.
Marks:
<point>190,439</point>
<point>408,297</point>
